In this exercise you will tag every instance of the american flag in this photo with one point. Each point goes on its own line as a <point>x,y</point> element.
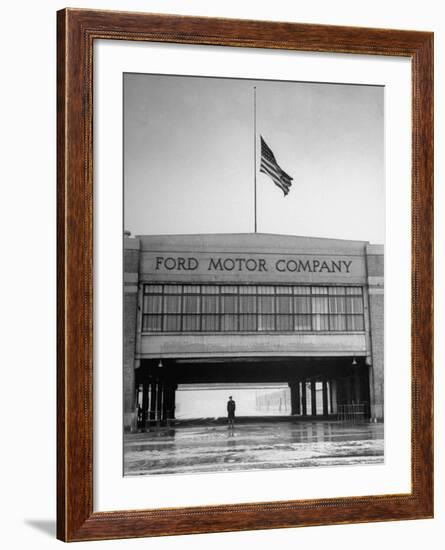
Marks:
<point>270,167</point>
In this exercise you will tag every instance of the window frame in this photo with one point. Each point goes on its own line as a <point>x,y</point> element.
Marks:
<point>238,291</point>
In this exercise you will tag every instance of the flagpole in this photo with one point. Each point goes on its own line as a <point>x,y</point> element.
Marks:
<point>254,153</point>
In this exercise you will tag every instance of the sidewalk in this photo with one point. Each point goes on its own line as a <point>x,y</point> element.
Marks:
<point>252,446</point>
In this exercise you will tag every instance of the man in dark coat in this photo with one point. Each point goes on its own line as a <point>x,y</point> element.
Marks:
<point>231,411</point>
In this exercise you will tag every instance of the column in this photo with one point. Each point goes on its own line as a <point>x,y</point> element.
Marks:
<point>313,398</point>
<point>325,397</point>
<point>374,303</point>
<point>131,330</point>
<point>168,407</point>
<point>159,402</point>
<point>165,401</point>
<point>356,384</point>
<point>347,388</point>
<point>331,407</point>
<point>153,401</point>
<point>334,398</point>
<point>303,399</point>
<point>173,401</point>
<point>145,390</point>
<point>295,397</point>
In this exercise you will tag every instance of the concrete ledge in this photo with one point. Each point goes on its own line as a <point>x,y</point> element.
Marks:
<point>248,345</point>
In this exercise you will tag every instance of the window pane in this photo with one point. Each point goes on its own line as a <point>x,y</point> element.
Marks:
<point>209,304</point>
<point>303,322</point>
<point>302,305</point>
<point>191,304</point>
<point>172,289</point>
<point>355,322</point>
<point>152,304</point>
<point>172,304</point>
<point>247,289</point>
<point>319,305</point>
<point>266,290</point>
<point>192,289</point>
<point>229,289</point>
<point>337,322</point>
<point>283,290</point>
<point>153,289</point>
<point>354,305</point>
<point>284,304</point>
<point>266,304</point>
<point>337,304</point>
<point>229,304</point>
<point>210,323</point>
<point>191,322</point>
<point>336,290</point>
<point>319,290</point>
<point>152,323</point>
<point>247,322</point>
<point>172,323</point>
<point>320,322</point>
<point>210,289</point>
<point>266,322</point>
<point>354,290</point>
<point>247,304</point>
<point>302,289</point>
<point>229,322</point>
<point>284,322</point>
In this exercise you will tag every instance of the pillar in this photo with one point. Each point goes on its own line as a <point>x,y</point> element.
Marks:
<point>356,384</point>
<point>165,396</point>
<point>295,397</point>
<point>130,331</point>
<point>168,401</point>
<point>334,398</point>
<point>325,397</point>
<point>374,305</point>
<point>169,398</point>
<point>173,401</point>
<point>313,398</point>
<point>159,400</point>
<point>347,390</point>
<point>145,400</point>
<point>303,399</point>
<point>153,400</point>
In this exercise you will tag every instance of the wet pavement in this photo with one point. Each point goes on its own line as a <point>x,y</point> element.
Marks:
<point>252,446</point>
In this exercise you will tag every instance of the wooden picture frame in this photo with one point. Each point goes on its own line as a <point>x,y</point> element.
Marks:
<point>77,31</point>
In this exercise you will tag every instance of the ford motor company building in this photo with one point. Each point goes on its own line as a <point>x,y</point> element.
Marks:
<point>253,308</point>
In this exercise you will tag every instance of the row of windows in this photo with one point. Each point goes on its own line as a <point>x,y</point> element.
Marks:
<point>251,289</point>
<point>251,308</point>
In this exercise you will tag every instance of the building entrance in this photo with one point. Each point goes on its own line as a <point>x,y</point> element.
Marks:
<point>319,387</point>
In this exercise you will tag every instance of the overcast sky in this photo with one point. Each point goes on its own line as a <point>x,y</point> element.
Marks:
<point>189,157</point>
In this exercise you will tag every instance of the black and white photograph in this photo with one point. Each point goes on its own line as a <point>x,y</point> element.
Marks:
<point>222,232</point>
<point>253,274</point>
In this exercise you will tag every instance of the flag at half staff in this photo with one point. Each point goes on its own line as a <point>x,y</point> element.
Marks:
<point>270,167</point>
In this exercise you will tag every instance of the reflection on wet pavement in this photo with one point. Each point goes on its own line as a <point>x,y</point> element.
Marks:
<point>252,446</point>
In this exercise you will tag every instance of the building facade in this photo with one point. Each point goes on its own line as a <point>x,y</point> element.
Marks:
<point>253,308</point>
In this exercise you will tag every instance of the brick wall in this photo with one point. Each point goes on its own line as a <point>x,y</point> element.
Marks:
<point>375,266</point>
<point>130,307</point>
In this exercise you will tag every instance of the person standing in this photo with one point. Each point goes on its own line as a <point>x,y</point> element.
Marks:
<point>231,406</point>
